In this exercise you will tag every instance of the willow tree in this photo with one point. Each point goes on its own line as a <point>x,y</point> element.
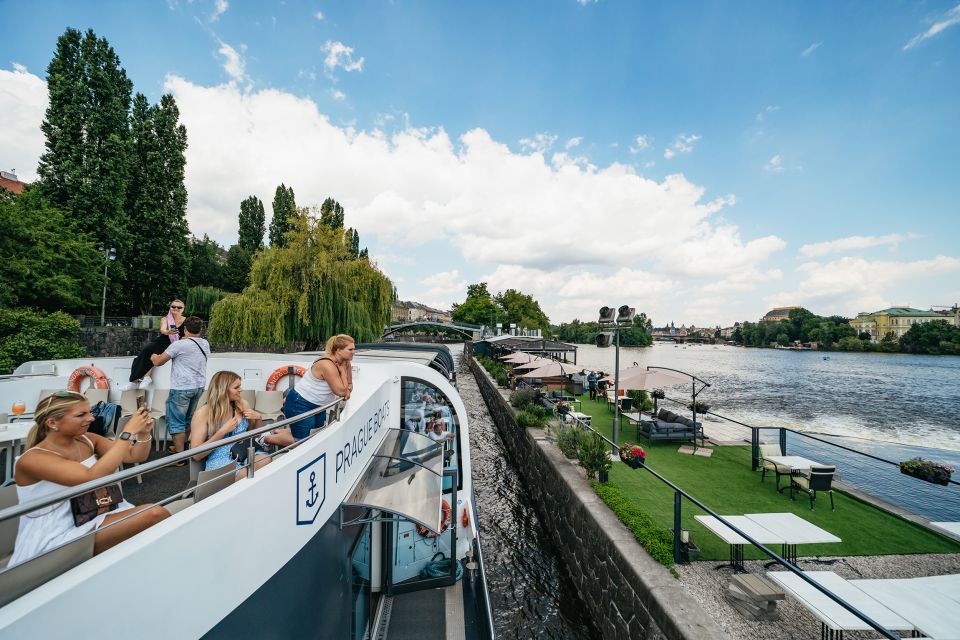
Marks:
<point>310,288</point>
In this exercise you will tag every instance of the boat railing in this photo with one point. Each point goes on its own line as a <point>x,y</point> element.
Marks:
<point>145,468</point>
<point>678,496</point>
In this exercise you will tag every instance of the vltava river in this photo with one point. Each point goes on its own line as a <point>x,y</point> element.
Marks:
<point>892,397</point>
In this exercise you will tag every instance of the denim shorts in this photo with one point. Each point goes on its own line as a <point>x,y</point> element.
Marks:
<point>294,405</point>
<point>181,403</point>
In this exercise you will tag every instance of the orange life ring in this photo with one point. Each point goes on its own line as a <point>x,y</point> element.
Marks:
<point>281,372</point>
<point>98,377</point>
<point>444,521</point>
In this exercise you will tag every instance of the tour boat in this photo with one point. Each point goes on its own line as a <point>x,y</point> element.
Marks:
<point>346,535</point>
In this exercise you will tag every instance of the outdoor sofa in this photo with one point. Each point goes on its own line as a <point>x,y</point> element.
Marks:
<point>670,426</point>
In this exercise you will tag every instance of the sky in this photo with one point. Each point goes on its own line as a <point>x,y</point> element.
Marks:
<point>700,161</point>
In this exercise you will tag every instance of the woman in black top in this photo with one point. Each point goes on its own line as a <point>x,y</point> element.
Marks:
<point>142,366</point>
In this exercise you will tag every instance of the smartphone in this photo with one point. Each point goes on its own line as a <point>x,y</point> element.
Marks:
<point>141,402</point>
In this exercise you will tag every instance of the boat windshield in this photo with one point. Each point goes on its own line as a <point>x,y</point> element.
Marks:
<point>428,411</point>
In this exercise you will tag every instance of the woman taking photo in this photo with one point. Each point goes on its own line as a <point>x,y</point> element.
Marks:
<point>225,414</point>
<point>60,453</point>
<point>171,330</point>
<point>328,377</point>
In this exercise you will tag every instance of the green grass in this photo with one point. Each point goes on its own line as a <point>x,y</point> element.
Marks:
<point>725,483</point>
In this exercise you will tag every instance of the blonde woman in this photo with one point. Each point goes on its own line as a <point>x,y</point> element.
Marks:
<point>328,377</point>
<point>225,414</point>
<point>60,453</point>
<point>171,330</point>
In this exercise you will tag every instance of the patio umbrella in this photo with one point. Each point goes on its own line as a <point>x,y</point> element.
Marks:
<point>552,370</point>
<point>533,364</point>
<point>519,357</point>
<point>648,380</point>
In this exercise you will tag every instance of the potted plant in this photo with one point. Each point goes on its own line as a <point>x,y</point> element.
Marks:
<point>928,470</point>
<point>593,454</point>
<point>700,407</point>
<point>659,394</point>
<point>633,455</point>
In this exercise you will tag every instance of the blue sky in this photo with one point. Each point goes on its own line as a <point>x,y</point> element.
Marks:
<point>701,161</point>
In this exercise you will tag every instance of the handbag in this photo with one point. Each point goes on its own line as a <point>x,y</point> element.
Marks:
<point>91,504</point>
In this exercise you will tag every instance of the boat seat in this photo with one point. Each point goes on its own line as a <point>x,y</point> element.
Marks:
<point>8,528</point>
<point>208,483</point>
<point>25,577</point>
<point>269,404</point>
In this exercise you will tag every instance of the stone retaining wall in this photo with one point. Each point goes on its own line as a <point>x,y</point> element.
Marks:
<point>108,342</point>
<point>630,595</point>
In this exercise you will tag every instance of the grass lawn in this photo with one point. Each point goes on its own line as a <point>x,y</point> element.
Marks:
<point>725,483</point>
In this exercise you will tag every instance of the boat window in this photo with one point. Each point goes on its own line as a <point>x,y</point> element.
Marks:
<point>429,411</point>
<point>360,580</point>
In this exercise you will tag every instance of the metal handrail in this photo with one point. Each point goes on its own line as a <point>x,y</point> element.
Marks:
<point>786,563</point>
<point>147,467</point>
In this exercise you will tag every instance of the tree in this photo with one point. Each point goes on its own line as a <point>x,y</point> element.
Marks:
<point>252,224</point>
<point>331,214</point>
<point>84,169</point>
<point>206,263</point>
<point>47,262</point>
<point>157,205</point>
<point>236,272</point>
<point>478,308</point>
<point>521,309</point>
<point>935,337</point>
<point>29,335</point>
<point>305,291</point>
<point>284,213</point>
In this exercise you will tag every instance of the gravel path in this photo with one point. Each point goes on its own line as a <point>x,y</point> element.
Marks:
<point>708,585</point>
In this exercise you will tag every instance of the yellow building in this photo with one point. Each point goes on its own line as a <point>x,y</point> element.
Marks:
<point>895,320</point>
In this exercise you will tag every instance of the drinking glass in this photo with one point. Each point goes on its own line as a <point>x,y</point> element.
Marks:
<point>19,408</point>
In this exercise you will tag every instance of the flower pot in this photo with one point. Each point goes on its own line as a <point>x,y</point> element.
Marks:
<point>927,477</point>
<point>633,463</point>
<point>603,476</point>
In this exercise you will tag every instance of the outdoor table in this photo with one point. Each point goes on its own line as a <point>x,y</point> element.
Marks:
<point>923,605</point>
<point>796,464</point>
<point>735,540</point>
<point>582,417</point>
<point>830,613</point>
<point>948,585</point>
<point>794,529</point>
<point>11,437</point>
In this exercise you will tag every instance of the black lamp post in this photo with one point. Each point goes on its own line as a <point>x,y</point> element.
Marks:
<point>624,318</point>
<point>108,256</point>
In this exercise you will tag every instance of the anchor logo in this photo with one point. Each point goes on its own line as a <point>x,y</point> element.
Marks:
<point>311,490</point>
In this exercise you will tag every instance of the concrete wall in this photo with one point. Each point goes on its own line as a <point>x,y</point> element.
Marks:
<point>630,595</point>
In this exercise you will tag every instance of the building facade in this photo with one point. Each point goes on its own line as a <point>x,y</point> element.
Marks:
<point>894,321</point>
<point>777,314</point>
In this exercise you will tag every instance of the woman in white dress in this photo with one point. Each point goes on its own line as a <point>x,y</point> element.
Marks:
<point>60,453</point>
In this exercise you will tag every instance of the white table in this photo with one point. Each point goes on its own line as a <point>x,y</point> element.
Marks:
<point>948,585</point>
<point>831,614</point>
<point>786,529</point>
<point>582,417</point>
<point>794,463</point>
<point>922,604</point>
<point>12,436</point>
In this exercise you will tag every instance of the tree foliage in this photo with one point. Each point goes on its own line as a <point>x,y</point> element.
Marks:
<point>30,335</point>
<point>236,271</point>
<point>937,337</point>
<point>802,325</point>
<point>47,262</point>
<point>306,290</point>
<point>284,214</point>
<point>331,214</point>
<point>478,308</point>
<point>637,335</point>
<point>252,224</point>
<point>521,309</point>
<point>200,300</point>
<point>206,263</point>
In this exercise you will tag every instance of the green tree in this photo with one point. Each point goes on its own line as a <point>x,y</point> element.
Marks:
<point>157,203</point>
<point>305,291</point>
<point>935,337</point>
<point>252,224</point>
<point>478,308</point>
<point>521,309</point>
<point>236,272</point>
<point>284,213</point>
<point>639,334</point>
<point>206,263</point>
<point>331,214</point>
<point>30,335</point>
<point>84,169</point>
<point>47,262</point>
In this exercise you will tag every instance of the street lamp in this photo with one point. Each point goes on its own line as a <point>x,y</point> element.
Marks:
<point>624,318</point>
<point>108,255</point>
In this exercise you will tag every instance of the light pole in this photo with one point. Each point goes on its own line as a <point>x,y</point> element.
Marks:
<point>108,255</point>
<point>624,318</point>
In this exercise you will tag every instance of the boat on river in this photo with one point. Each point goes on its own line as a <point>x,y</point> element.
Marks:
<point>348,534</point>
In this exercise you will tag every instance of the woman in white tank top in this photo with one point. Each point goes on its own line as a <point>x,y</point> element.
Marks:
<point>329,377</point>
<point>59,453</point>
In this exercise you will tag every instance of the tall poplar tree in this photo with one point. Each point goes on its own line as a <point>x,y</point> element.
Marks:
<point>252,224</point>
<point>284,213</point>
<point>158,266</point>
<point>331,214</point>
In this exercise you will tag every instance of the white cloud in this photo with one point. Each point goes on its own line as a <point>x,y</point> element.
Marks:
<point>851,243</point>
<point>584,3</point>
<point>746,280</point>
<point>23,101</point>
<point>573,142</point>
<point>233,63</point>
<point>806,52</point>
<point>770,108</point>
<point>338,95</point>
<point>219,8</point>
<point>539,143</point>
<point>683,144</point>
<point>305,74</point>
<point>774,164</point>
<point>639,144</point>
<point>949,19</point>
<point>443,288</point>
<point>340,55</point>
<point>849,285</point>
<point>319,16</point>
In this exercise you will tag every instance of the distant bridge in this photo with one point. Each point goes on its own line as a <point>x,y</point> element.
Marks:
<point>470,331</point>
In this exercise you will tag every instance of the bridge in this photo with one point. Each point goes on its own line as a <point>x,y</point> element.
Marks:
<point>470,331</point>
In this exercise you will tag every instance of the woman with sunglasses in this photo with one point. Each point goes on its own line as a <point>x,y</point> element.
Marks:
<point>60,453</point>
<point>171,330</point>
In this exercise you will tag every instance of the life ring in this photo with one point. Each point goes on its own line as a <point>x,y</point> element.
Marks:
<point>281,372</point>
<point>444,521</point>
<point>98,377</point>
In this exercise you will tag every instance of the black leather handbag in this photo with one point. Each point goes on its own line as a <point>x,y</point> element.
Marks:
<point>91,504</point>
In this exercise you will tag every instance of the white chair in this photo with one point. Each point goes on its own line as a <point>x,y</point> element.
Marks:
<point>779,469</point>
<point>8,528</point>
<point>249,396</point>
<point>269,404</point>
<point>95,395</point>
<point>208,483</point>
<point>158,411</point>
<point>128,405</point>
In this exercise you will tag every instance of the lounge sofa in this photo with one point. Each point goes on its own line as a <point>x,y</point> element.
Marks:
<point>670,426</point>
